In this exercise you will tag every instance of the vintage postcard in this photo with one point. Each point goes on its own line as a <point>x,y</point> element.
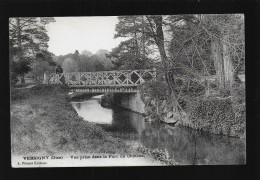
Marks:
<point>139,90</point>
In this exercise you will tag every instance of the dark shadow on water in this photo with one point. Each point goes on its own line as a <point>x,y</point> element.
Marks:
<point>184,145</point>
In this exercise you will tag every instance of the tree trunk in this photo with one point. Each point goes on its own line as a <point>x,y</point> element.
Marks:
<point>159,39</point>
<point>143,40</point>
<point>228,67</point>
<point>19,41</point>
<point>236,78</point>
<point>136,41</point>
<point>22,79</point>
<point>218,62</point>
<point>18,32</point>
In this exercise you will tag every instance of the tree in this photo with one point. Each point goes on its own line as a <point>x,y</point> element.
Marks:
<point>227,36</point>
<point>206,45</point>
<point>46,56</point>
<point>27,37</point>
<point>132,53</point>
<point>86,53</point>
<point>85,63</point>
<point>70,65</point>
<point>38,68</point>
<point>20,68</point>
<point>29,34</point>
<point>104,60</point>
<point>76,59</point>
<point>189,49</point>
<point>124,56</point>
<point>43,62</point>
<point>141,32</point>
<point>156,29</point>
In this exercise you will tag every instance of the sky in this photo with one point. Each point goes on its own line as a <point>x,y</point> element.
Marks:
<point>68,34</point>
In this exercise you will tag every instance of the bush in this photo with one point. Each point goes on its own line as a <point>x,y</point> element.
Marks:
<point>154,89</point>
<point>39,68</point>
<point>238,94</point>
<point>14,78</point>
<point>216,115</point>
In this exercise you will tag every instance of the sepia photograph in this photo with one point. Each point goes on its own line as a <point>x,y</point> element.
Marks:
<point>133,90</point>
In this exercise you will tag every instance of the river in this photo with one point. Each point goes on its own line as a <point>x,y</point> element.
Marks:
<point>184,145</point>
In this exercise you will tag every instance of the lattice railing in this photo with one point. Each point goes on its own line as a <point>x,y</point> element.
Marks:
<point>102,78</point>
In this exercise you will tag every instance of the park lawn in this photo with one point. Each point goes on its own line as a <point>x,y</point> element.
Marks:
<point>44,122</point>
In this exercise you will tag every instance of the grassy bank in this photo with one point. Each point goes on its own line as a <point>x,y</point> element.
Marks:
<point>44,122</point>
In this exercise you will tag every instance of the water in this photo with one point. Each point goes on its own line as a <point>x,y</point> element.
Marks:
<point>91,111</point>
<point>184,145</point>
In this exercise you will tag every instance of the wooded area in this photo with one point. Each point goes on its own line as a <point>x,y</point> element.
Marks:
<point>192,46</point>
<point>197,46</point>
<point>196,56</point>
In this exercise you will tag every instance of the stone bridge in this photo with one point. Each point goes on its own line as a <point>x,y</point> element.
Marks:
<point>123,81</point>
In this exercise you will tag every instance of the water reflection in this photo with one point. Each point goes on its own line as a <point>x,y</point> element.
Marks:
<point>188,146</point>
<point>185,145</point>
<point>91,111</point>
<point>127,121</point>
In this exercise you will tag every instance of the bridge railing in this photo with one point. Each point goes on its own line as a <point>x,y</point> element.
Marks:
<point>101,78</point>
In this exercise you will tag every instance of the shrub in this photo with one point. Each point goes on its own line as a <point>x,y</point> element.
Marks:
<point>14,78</point>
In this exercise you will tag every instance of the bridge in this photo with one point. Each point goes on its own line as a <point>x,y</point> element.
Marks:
<point>122,81</point>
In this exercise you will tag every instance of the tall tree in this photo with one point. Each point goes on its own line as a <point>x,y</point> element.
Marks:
<point>133,49</point>
<point>227,37</point>
<point>205,45</point>
<point>124,56</point>
<point>28,36</point>
<point>156,29</point>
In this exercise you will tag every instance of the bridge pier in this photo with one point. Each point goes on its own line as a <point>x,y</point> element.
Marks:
<point>131,101</point>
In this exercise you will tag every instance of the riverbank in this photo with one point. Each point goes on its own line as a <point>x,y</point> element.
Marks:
<point>216,113</point>
<point>44,122</point>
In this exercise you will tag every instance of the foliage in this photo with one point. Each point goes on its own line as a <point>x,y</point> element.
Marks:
<point>21,67</point>
<point>131,53</point>
<point>156,89</point>
<point>46,56</point>
<point>86,53</point>
<point>189,49</point>
<point>27,42</point>
<point>39,68</point>
<point>200,57</point>
<point>14,78</point>
<point>215,115</point>
<point>29,34</point>
<point>184,43</point>
<point>124,56</point>
<point>85,62</point>
<point>205,45</point>
<point>60,59</point>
